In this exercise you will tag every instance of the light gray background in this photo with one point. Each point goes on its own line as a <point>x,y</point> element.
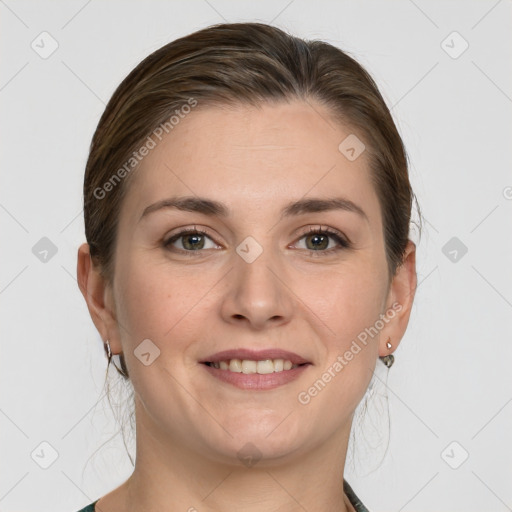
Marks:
<point>451,380</point>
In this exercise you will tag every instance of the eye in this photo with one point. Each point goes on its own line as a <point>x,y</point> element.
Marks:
<point>193,240</point>
<point>190,239</point>
<point>317,241</point>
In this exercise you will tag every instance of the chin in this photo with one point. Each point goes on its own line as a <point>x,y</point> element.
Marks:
<point>256,451</point>
<point>265,441</point>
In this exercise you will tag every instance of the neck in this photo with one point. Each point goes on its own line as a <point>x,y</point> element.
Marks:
<point>173,476</point>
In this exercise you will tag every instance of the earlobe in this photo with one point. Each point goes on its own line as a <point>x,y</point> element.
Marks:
<point>95,290</point>
<point>399,302</point>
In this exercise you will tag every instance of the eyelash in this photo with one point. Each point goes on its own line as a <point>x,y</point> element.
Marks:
<point>332,233</point>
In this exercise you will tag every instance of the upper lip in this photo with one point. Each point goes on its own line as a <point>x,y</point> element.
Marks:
<point>255,355</point>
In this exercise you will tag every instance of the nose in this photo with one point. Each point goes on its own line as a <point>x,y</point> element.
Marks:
<point>257,293</point>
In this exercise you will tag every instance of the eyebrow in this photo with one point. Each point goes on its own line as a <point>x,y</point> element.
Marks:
<point>216,208</point>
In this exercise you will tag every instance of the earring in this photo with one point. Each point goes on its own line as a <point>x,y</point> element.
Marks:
<point>108,350</point>
<point>123,370</point>
<point>389,359</point>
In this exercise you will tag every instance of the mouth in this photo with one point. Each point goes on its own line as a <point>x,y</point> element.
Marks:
<point>255,361</point>
<point>251,366</point>
<point>255,370</point>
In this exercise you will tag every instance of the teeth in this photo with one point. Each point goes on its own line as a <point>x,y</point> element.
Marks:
<point>235,365</point>
<point>248,366</point>
<point>266,366</point>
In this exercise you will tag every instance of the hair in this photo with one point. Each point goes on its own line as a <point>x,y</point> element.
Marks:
<point>233,64</point>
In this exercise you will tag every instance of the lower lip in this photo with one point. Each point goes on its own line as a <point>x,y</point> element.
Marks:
<point>256,381</point>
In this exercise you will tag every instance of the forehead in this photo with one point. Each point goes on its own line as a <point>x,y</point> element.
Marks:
<point>254,158</point>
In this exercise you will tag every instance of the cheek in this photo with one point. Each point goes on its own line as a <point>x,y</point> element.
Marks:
<point>153,303</point>
<point>348,301</point>
<point>352,304</point>
<point>356,307</point>
<point>351,308</point>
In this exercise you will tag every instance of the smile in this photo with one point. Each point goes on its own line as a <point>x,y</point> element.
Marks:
<point>249,366</point>
<point>255,375</point>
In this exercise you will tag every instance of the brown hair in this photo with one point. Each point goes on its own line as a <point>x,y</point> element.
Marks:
<point>232,64</point>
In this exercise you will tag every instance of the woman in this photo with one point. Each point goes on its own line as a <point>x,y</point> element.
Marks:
<point>247,208</point>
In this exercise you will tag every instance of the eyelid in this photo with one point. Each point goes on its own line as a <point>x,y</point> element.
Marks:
<point>326,229</point>
<point>309,230</point>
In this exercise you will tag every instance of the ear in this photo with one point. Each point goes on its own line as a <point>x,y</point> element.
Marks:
<point>400,300</point>
<point>99,298</point>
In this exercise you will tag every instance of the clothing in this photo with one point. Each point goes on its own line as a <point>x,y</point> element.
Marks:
<point>351,495</point>
<point>354,500</point>
<point>89,508</point>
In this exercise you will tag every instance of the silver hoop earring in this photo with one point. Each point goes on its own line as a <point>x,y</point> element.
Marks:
<point>123,370</point>
<point>108,350</point>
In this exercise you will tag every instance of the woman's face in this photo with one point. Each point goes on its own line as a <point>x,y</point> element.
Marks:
<point>256,280</point>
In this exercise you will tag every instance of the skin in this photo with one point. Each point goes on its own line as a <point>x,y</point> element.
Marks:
<point>190,425</point>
